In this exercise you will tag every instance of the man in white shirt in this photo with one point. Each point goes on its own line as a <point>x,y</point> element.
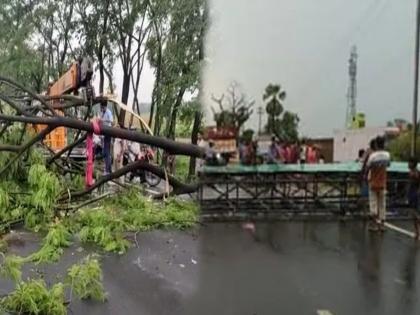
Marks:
<point>377,165</point>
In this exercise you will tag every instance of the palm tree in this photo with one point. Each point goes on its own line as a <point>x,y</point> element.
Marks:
<point>274,97</point>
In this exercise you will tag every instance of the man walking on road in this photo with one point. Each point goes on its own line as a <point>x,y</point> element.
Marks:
<point>377,165</point>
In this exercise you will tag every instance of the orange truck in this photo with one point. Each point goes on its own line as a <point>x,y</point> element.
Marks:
<point>79,75</point>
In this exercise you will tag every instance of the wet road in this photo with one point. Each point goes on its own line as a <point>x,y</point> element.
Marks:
<point>285,268</point>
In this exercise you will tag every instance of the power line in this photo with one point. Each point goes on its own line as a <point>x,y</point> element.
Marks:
<point>368,25</point>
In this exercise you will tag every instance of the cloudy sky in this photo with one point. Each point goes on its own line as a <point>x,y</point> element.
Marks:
<point>304,45</point>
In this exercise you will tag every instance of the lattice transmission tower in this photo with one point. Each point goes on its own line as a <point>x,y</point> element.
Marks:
<point>352,89</point>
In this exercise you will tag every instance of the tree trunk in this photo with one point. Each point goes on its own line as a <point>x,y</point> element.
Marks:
<point>172,123</point>
<point>172,147</point>
<point>156,97</point>
<point>101,48</point>
<point>101,79</point>
<point>101,73</point>
<point>110,80</point>
<point>124,96</point>
<point>194,141</point>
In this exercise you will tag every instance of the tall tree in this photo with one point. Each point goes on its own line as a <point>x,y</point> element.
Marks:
<point>96,39</point>
<point>284,124</point>
<point>273,96</point>
<point>54,23</point>
<point>131,27</point>
<point>234,110</point>
<point>175,55</point>
<point>19,58</point>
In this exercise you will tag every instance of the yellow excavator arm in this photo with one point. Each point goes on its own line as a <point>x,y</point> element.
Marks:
<point>77,76</point>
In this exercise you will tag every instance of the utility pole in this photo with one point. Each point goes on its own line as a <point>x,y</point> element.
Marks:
<point>260,113</point>
<point>416,84</point>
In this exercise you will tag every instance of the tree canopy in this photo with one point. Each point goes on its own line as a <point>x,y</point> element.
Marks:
<point>234,110</point>
<point>40,39</point>
<point>283,124</point>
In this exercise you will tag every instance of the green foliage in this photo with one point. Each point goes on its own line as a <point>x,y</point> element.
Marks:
<point>274,96</point>
<point>185,120</point>
<point>248,135</point>
<point>11,267</point>
<point>283,124</point>
<point>77,183</point>
<point>4,199</point>
<point>142,214</point>
<point>400,147</point>
<point>17,171</point>
<point>179,214</point>
<point>234,110</point>
<point>36,157</point>
<point>131,211</point>
<point>104,227</point>
<point>287,128</point>
<point>51,250</point>
<point>3,245</point>
<point>178,64</point>
<point>33,297</point>
<point>85,279</point>
<point>45,188</point>
<point>182,166</point>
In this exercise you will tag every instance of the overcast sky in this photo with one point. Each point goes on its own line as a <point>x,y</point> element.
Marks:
<point>304,45</point>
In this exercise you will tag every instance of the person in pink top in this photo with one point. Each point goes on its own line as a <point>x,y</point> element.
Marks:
<point>294,154</point>
<point>281,152</point>
<point>311,155</point>
<point>287,153</point>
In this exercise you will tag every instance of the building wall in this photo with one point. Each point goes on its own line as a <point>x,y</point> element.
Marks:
<point>347,143</point>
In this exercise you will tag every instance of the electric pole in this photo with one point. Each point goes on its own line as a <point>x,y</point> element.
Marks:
<point>260,113</point>
<point>416,85</point>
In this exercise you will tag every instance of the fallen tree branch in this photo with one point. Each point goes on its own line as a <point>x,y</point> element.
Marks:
<point>29,92</point>
<point>179,188</point>
<point>25,147</point>
<point>168,145</point>
<point>10,148</point>
<point>86,203</point>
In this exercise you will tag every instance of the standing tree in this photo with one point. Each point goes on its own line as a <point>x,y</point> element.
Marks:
<point>95,32</point>
<point>283,124</point>
<point>235,110</point>
<point>176,55</point>
<point>130,26</point>
<point>273,96</point>
<point>21,59</point>
<point>288,127</point>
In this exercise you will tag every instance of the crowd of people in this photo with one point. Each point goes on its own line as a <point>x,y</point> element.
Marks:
<point>280,152</point>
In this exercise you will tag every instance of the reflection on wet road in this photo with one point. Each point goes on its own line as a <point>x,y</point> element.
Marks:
<point>280,268</point>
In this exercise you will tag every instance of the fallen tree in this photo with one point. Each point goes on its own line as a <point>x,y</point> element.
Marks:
<point>21,108</point>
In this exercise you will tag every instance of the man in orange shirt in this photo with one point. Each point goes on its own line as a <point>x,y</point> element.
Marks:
<point>377,165</point>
